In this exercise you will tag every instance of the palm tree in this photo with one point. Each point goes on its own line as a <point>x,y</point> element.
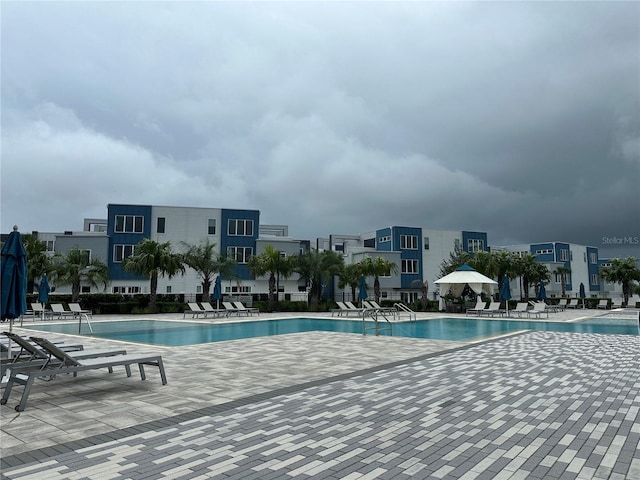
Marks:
<point>376,267</point>
<point>76,267</point>
<point>564,272</point>
<point>526,268</point>
<point>623,271</point>
<point>204,259</point>
<point>350,276</point>
<point>152,259</point>
<point>456,259</point>
<point>317,268</point>
<point>38,262</point>
<point>274,263</point>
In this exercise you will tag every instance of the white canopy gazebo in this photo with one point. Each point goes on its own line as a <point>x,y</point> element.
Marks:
<point>455,282</point>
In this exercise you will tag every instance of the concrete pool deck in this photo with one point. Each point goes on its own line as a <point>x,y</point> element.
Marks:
<point>333,405</point>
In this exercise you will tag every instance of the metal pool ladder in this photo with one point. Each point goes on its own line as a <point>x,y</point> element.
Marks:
<point>373,313</point>
<point>86,317</point>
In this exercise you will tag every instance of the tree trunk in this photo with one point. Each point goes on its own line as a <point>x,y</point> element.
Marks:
<point>153,297</point>
<point>206,286</point>
<point>376,289</point>
<point>75,292</point>
<point>272,289</point>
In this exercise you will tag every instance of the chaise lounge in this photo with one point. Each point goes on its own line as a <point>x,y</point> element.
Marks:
<point>26,376</point>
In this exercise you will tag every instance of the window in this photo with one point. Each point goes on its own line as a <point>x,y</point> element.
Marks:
<point>409,266</point>
<point>475,245</point>
<point>160,226</point>
<point>564,255</point>
<point>211,228</point>
<point>593,258</point>
<point>425,240</point>
<point>241,228</point>
<point>240,254</point>
<point>129,224</point>
<point>168,288</point>
<point>546,251</point>
<point>595,279</point>
<point>384,239</point>
<point>120,252</point>
<point>237,289</point>
<point>50,246</point>
<point>85,289</point>
<point>409,242</point>
<point>133,289</point>
<point>198,288</point>
<point>456,244</point>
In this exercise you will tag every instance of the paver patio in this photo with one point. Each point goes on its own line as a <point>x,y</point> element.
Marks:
<point>330,405</point>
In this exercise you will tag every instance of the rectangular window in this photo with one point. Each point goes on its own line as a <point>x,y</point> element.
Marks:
<point>160,226</point>
<point>544,252</point>
<point>409,266</point>
<point>241,228</point>
<point>85,289</point>
<point>211,228</point>
<point>425,240</point>
<point>564,255</point>
<point>129,224</point>
<point>240,254</point>
<point>593,258</point>
<point>133,290</point>
<point>120,252</point>
<point>168,288</point>
<point>475,245</point>
<point>408,242</point>
<point>237,289</point>
<point>595,279</point>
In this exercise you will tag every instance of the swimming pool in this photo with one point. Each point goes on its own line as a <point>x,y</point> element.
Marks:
<point>168,333</point>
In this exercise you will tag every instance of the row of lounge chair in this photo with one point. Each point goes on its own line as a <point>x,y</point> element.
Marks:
<point>346,309</point>
<point>57,311</point>
<point>522,308</point>
<point>41,358</point>
<point>205,309</point>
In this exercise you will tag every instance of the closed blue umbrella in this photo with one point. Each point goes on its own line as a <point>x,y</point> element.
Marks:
<point>43,292</point>
<point>362,289</point>
<point>14,278</point>
<point>217,291</point>
<point>542,292</point>
<point>582,293</point>
<point>505,292</point>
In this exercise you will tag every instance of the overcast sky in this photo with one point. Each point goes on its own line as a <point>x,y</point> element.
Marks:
<point>518,119</point>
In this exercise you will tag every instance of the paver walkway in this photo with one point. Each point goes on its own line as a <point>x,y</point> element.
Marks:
<point>538,405</point>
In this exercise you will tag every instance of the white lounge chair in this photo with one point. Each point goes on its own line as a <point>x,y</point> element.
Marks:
<point>232,310</point>
<point>58,310</point>
<point>574,303</point>
<point>603,304</point>
<point>562,304</point>
<point>493,309</point>
<point>538,309</point>
<point>342,310</point>
<point>79,311</point>
<point>215,312</point>
<point>194,310</point>
<point>480,305</point>
<point>521,309</point>
<point>250,311</point>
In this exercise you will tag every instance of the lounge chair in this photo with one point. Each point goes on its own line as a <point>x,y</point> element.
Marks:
<point>603,304</point>
<point>26,376</point>
<point>538,309</point>
<point>493,309</point>
<point>31,354</point>
<point>250,311</point>
<point>574,303</point>
<point>521,309</point>
<point>79,311</point>
<point>215,312</point>
<point>232,310</point>
<point>195,310</point>
<point>58,310</point>
<point>562,304</point>
<point>616,303</point>
<point>480,305</point>
<point>342,310</point>
<point>39,311</point>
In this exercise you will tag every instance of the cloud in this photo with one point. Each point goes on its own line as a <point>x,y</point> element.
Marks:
<point>519,119</point>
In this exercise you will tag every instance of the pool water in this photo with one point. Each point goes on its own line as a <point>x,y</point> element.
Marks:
<point>160,332</point>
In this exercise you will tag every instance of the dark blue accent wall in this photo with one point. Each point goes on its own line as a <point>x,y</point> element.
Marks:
<point>466,236</point>
<point>409,254</point>
<point>384,246</point>
<point>543,257</point>
<point>226,240</point>
<point>115,269</point>
<point>593,268</point>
